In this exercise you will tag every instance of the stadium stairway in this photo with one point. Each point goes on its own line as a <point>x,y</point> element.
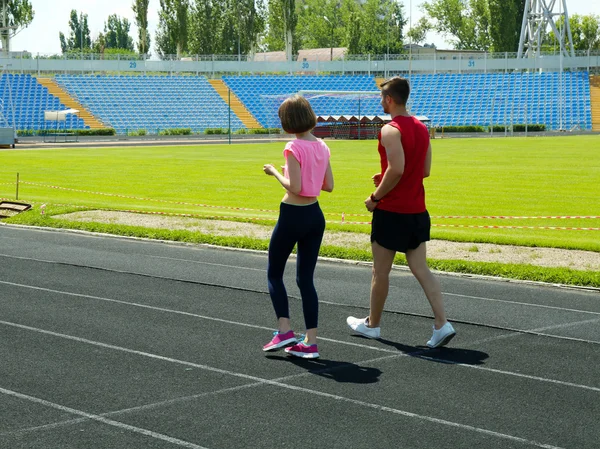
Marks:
<point>237,106</point>
<point>70,102</point>
<point>595,101</point>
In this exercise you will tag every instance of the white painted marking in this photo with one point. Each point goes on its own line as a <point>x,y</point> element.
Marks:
<point>373,348</point>
<point>505,301</point>
<point>282,385</point>
<point>93,417</point>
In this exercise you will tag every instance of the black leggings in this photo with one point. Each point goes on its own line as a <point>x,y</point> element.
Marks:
<point>305,226</point>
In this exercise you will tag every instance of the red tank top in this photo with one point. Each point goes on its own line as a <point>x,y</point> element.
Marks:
<point>408,196</point>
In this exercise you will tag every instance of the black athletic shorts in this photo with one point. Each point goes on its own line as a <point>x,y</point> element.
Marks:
<point>400,232</point>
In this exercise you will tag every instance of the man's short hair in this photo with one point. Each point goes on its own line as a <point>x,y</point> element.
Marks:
<point>296,115</point>
<point>397,88</point>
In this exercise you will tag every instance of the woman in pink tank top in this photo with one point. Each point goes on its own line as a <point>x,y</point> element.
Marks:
<point>301,222</point>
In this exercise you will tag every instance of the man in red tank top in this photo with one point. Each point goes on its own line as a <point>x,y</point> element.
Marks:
<point>400,219</point>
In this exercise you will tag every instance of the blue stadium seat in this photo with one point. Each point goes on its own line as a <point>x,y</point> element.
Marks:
<point>152,103</point>
<point>29,102</point>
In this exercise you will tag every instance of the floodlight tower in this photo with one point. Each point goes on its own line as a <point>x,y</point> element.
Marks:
<point>536,18</point>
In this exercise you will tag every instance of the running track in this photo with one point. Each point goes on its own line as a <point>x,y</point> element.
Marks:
<point>118,343</point>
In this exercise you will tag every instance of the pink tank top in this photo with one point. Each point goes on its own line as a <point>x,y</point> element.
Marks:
<point>313,157</point>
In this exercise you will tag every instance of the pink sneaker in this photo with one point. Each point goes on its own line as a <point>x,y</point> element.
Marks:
<point>280,340</point>
<point>303,350</point>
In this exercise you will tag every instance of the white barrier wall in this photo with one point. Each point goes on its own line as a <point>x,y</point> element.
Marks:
<point>381,66</point>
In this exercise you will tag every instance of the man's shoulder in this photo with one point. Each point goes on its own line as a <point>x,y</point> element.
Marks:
<point>391,128</point>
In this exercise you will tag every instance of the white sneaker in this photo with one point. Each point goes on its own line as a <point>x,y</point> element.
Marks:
<point>359,325</point>
<point>441,336</point>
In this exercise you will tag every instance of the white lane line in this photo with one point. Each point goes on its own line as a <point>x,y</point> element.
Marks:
<point>373,348</point>
<point>198,262</point>
<point>286,386</point>
<point>140,408</point>
<point>179,312</point>
<point>110,422</point>
<point>538,331</point>
<point>169,402</point>
<point>482,298</point>
<point>505,301</point>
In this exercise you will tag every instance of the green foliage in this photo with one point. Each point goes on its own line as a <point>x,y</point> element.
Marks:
<point>419,31</point>
<point>117,33</point>
<point>140,9</point>
<point>346,22</point>
<point>79,37</point>
<point>138,132</point>
<point>520,128</point>
<point>215,131</point>
<point>505,29</point>
<point>584,29</point>
<point>264,131</point>
<point>207,19</point>
<point>172,33</point>
<point>19,13</point>
<point>175,132</point>
<point>465,22</point>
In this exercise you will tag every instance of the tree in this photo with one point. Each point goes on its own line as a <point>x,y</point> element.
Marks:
<point>418,32</point>
<point>353,32</point>
<point>290,20</point>
<point>16,14</point>
<point>140,9</point>
<point>312,29</point>
<point>251,22</point>
<point>346,22</point>
<point>79,37</point>
<point>206,22</point>
<point>273,40</point>
<point>590,33</point>
<point>99,45</point>
<point>466,22</point>
<point>385,20</point>
<point>584,29</point>
<point>117,33</point>
<point>505,29</point>
<point>172,32</point>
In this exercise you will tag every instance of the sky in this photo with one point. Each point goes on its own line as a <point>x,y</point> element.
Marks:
<point>51,17</point>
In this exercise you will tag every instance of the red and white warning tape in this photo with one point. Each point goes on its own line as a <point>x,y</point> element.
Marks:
<point>343,214</point>
<point>508,217</point>
<point>116,195</point>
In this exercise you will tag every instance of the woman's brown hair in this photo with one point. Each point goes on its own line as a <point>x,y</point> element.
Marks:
<point>296,115</point>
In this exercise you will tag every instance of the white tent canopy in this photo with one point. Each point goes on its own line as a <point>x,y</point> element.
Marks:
<point>58,116</point>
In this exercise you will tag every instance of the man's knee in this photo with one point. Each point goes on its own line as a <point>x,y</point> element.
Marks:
<point>381,273</point>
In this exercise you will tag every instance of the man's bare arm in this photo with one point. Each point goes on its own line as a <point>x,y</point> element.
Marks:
<point>391,140</point>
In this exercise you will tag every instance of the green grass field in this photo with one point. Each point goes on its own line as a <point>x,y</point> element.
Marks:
<point>518,177</point>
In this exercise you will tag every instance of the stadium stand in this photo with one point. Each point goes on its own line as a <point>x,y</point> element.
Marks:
<point>236,105</point>
<point>152,103</point>
<point>447,99</point>
<point>261,94</point>
<point>504,98</point>
<point>30,100</point>
<point>89,120</point>
<point>595,101</point>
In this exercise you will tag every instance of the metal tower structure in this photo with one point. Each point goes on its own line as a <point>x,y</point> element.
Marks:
<point>538,15</point>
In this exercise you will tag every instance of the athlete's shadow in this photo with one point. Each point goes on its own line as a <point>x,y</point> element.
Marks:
<point>330,369</point>
<point>444,354</point>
